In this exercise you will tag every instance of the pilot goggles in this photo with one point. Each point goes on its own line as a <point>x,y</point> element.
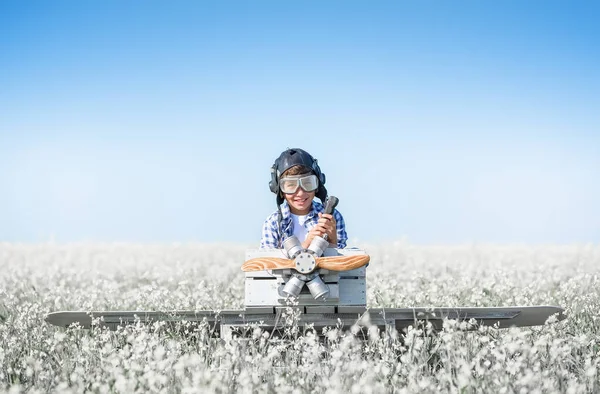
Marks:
<point>291,183</point>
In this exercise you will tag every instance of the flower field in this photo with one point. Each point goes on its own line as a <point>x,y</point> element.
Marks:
<point>40,278</point>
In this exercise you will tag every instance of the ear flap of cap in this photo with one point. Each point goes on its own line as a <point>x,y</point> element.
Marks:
<point>274,182</point>
<point>321,193</point>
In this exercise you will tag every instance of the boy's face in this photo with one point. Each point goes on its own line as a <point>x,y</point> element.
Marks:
<point>300,202</point>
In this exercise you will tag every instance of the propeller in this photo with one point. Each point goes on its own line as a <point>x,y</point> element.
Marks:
<point>332,263</point>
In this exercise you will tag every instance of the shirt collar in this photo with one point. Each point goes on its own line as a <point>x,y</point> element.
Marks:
<point>314,210</point>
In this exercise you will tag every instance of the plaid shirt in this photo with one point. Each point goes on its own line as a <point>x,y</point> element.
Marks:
<point>273,235</point>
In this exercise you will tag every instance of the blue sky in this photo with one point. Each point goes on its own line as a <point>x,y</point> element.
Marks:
<point>434,121</point>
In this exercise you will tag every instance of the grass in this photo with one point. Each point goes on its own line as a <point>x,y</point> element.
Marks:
<point>36,357</point>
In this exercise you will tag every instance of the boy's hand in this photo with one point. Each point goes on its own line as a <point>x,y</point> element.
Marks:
<point>328,223</point>
<point>325,225</point>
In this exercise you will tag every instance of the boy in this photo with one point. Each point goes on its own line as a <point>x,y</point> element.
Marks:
<point>296,179</point>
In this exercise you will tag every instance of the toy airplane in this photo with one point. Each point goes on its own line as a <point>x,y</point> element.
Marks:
<point>328,287</point>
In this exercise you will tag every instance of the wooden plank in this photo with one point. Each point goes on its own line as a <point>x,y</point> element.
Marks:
<point>319,309</point>
<point>502,317</point>
<point>84,318</point>
<point>358,309</point>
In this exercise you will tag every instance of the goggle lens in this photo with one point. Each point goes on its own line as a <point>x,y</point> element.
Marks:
<point>290,184</point>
